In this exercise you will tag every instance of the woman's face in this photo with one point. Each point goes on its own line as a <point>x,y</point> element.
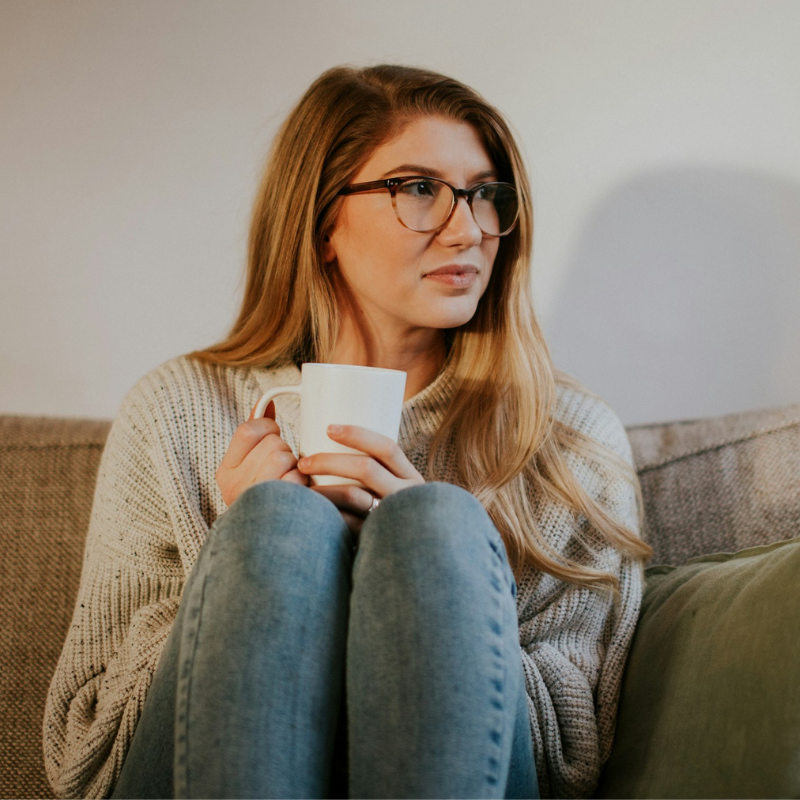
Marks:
<point>389,269</point>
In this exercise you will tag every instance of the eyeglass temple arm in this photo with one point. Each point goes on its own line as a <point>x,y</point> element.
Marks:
<point>365,187</point>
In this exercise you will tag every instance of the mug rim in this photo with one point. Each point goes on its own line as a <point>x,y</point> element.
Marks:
<point>358,367</point>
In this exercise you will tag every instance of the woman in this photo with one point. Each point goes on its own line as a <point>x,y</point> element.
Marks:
<point>241,632</point>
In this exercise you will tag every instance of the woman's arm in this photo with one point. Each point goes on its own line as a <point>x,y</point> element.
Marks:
<point>574,640</point>
<point>128,598</point>
<point>573,657</point>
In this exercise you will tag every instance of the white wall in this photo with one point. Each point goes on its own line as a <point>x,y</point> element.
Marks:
<point>662,140</point>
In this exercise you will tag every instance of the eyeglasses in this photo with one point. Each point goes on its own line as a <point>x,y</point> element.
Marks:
<point>426,204</point>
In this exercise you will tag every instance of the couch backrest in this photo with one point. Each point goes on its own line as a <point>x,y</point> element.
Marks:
<point>719,484</point>
<point>709,485</point>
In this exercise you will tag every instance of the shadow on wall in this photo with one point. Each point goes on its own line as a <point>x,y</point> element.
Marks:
<point>683,296</point>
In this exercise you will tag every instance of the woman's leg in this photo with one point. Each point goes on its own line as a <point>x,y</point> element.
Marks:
<point>254,667</point>
<point>435,688</point>
<point>522,781</point>
<point>147,771</point>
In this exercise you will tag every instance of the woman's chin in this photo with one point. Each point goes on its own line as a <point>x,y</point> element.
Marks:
<point>450,320</point>
<point>438,312</point>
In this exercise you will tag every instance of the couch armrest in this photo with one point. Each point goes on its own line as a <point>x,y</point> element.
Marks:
<point>48,469</point>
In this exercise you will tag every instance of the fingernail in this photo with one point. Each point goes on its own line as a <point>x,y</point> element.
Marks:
<point>303,462</point>
<point>334,430</point>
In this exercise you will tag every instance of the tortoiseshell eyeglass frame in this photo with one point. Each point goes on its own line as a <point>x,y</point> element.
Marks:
<point>393,184</point>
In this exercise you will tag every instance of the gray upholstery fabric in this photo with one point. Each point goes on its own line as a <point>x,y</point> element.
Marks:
<point>709,485</point>
<point>721,484</point>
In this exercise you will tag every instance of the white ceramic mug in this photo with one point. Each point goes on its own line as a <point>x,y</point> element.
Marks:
<point>341,394</point>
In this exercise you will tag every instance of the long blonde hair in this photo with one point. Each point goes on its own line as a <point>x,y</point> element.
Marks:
<point>501,419</point>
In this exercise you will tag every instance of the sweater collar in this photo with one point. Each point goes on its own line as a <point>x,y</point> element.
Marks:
<point>423,413</point>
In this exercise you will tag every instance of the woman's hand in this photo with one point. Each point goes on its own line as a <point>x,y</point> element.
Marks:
<point>382,468</point>
<point>256,453</point>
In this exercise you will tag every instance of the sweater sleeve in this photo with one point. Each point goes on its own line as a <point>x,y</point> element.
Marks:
<point>128,598</point>
<point>574,641</point>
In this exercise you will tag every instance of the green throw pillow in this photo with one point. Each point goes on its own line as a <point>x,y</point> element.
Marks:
<point>710,703</point>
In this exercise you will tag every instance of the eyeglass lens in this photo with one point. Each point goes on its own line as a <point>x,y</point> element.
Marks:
<point>424,205</point>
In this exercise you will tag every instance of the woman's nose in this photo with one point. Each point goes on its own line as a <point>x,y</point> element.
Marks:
<point>461,228</point>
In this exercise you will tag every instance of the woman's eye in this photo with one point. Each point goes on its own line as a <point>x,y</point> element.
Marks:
<point>486,192</point>
<point>420,188</point>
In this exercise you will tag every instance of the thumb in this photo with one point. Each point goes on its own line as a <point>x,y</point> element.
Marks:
<point>270,412</point>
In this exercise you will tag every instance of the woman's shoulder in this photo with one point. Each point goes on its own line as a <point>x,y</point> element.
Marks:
<point>185,387</point>
<point>181,384</point>
<point>579,408</point>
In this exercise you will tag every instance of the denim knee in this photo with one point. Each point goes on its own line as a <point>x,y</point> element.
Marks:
<point>276,494</point>
<point>276,519</point>
<point>434,516</point>
<point>435,509</point>
<point>276,500</point>
<point>435,500</point>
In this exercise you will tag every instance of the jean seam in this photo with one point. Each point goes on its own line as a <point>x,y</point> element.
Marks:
<point>499,682</point>
<point>183,689</point>
<point>500,551</point>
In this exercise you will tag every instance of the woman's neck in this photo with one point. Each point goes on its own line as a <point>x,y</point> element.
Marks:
<point>421,360</point>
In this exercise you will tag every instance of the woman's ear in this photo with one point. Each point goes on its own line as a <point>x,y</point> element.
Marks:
<point>328,250</point>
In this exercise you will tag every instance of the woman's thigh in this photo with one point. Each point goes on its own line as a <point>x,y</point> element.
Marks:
<point>264,607</point>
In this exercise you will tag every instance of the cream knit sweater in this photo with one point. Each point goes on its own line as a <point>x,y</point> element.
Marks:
<point>155,500</point>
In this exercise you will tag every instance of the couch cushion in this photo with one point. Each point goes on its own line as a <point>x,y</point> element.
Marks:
<point>47,475</point>
<point>710,703</point>
<point>719,484</point>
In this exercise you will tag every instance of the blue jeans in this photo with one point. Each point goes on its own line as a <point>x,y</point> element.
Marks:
<point>300,666</point>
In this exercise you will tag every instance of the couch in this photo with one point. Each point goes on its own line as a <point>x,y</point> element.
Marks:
<point>710,703</point>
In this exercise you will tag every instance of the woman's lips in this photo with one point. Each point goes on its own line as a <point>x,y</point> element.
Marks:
<point>459,278</point>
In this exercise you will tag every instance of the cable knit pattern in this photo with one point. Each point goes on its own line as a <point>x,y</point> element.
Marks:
<point>156,499</point>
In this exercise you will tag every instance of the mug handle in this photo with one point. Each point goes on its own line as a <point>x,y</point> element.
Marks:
<point>261,408</point>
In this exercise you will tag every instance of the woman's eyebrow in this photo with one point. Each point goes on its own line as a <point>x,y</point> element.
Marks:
<point>419,169</point>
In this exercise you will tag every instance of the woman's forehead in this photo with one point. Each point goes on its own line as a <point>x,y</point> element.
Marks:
<point>432,145</point>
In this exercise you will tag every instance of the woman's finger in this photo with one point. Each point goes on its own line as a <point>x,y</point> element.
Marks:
<point>348,498</point>
<point>295,476</point>
<point>356,466</point>
<point>381,448</point>
<point>246,437</point>
<point>268,412</point>
<point>271,442</point>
